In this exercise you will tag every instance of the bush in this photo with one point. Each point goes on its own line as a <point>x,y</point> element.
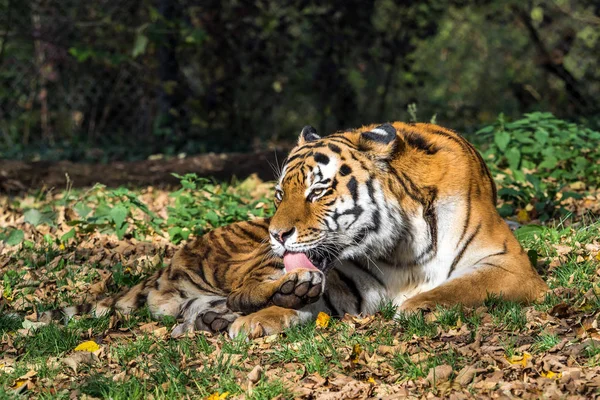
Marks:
<point>534,159</point>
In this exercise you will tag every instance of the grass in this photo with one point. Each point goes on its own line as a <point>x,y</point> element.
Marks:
<point>48,269</point>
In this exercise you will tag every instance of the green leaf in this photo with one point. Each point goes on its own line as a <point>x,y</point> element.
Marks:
<point>541,135</point>
<point>68,235</point>
<point>82,209</point>
<point>139,47</point>
<point>33,216</point>
<point>549,162</point>
<point>528,231</point>
<point>121,230</point>
<point>15,237</point>
<point>118,214</point>
<point>502,139</point>
<point>513,155</point>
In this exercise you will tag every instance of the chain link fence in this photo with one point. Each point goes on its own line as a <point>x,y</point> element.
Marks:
<point>66,74</point>
<point>146,76</point>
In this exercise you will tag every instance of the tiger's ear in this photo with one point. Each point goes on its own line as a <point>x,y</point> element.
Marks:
<point>308,134</point>
<point>381,141</point>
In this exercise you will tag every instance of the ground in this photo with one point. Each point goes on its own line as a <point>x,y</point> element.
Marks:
<point>66,246</point>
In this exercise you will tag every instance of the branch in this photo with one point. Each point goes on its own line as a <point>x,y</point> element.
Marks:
<point>559,70</point>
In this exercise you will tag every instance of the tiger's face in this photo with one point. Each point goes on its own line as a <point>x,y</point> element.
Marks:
<point>330,198</point>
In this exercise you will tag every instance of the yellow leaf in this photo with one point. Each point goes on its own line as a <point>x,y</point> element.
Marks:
<point>356,350</point>
<point>598,256</point>
<point>19,382</point>
<point>523,216</point>
<point>90,346</point>
<point>217,396</point>
<point>323,320</point>
<point>519,360</point>
<point>551,375</point>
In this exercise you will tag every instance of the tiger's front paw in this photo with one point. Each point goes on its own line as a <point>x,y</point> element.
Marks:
<point>299,288</point>
<point>265,322</point>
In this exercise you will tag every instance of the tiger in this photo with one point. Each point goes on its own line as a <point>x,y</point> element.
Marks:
<point>400,212</point>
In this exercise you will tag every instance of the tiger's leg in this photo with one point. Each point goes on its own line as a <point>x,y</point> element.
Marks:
<point>474,286</point>
<point>271,320</point>
<point>274,287</point>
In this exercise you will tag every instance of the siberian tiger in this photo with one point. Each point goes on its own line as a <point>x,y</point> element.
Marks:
<point>400,212</point>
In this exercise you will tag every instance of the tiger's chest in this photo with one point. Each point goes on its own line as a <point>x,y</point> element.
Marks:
<point>424,256</point>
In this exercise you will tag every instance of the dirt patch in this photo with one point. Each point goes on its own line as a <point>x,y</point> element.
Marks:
<point>19,176</point>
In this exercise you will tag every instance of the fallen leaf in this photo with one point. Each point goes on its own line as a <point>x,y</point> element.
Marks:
<point>89,346</point>
<point>551,375</point>
<point>218,396</point>
<point>23,379</point>
<point>439,374</point>
<point>519,360</point>
<point>355,356</point>
<point>323,320</point>
<point>523,216</point>
<point>80,358</point>
<point>255,375</point>
<point>466,375</point>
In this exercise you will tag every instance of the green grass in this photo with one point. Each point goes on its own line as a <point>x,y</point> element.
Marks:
<point>202,365</point>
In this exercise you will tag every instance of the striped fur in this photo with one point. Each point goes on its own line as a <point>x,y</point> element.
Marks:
<point>401,212</point>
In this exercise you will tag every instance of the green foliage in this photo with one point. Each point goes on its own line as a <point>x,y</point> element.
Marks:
<point>536,157</point>
<point>346,64</point>
<point>198,206</point>
<point>201,205</point>
<point>113,211</point>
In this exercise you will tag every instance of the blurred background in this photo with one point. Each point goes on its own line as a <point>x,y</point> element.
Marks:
<point>113,80</point>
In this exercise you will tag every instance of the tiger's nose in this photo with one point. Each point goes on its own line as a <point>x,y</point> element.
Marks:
<point>282,235</point>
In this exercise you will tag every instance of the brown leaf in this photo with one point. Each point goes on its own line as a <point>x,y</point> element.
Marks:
<point>439,374</point>
<point>255,375</point>
<point>79,358</point>
<point>467,374</point>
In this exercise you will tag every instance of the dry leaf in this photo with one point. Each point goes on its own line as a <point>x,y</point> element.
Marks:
<point>218,396</point>
<point>79,358</point>
<point>439,374</point>
<point>89,346</point>
<point>255,375</point>
<point>323,320</point>
<point>519,360</point>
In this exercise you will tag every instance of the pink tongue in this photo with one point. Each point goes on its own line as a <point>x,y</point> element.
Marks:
<point>293,261</point>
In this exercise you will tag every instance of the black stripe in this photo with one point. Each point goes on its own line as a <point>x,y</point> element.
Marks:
<point>232,247</point>
<point>334,148</point>
<point>140,299</point>
<point>462,250</point>
<point>418,142</point>
<point>351,285</point>
<point>263,226</point>
<point>249,234</point>
<point>218,302</point>
<point>341,139</point>
<point>500,253</point>
<point>345,170</point>
<point>468,218</point>
<point>352,186</point>
<point>332,309</point>
<point>321,158</point>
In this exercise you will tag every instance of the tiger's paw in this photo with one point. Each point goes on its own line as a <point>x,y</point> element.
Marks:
<point>268,321</point>
<point>215,321</point>
<point>217,318</point>
<point>299,288</point>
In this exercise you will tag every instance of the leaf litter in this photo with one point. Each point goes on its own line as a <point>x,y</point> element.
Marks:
<point>547,350</point>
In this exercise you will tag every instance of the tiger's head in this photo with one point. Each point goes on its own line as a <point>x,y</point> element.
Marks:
<point>331,198</point>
